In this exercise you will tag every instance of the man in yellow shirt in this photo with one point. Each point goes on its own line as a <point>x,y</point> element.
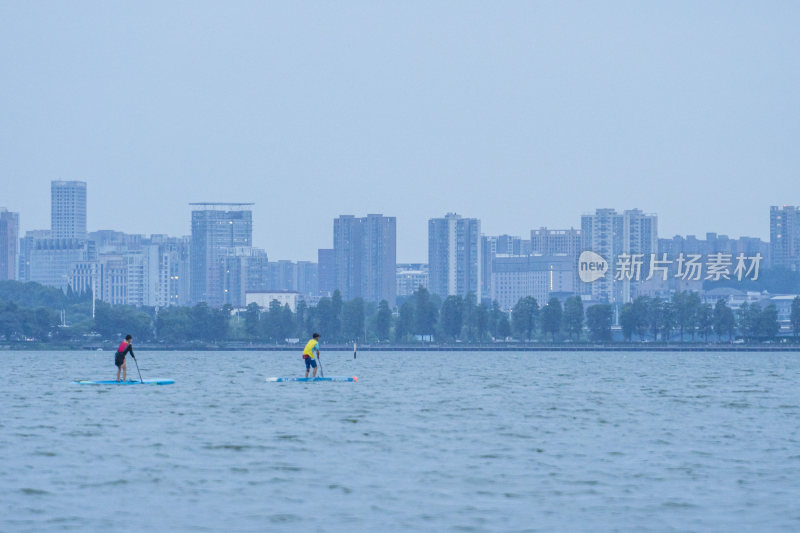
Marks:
<point>308,354</point>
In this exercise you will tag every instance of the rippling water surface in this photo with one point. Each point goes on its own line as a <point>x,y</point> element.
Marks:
<point>424,441</point>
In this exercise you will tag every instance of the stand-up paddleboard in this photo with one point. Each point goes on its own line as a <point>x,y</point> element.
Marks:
<point>129,382</point>
<point>310,380</point>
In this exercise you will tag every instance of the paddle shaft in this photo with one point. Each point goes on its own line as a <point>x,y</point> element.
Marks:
<point>319,359</point>
<point>137,368</point>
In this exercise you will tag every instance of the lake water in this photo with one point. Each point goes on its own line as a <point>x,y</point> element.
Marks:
<point>460,441</point>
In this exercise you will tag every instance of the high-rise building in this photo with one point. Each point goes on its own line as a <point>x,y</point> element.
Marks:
<point>307,283</point>
<point>326,275</point>
<point>547,241</point>
<point>257,270</point>
<point>26,245</point>
<point>454,256</point>
<point>784,236</point>
<point>347,243</point>
<point>216,228</point>
<point>488,253</point>
<point>49,257</point>
<point>173,270</point>
<point>410,277</point>
<point>68,209</point>
<point>9,244</point>
<point>365,257</point>
<point>713,243</point>
<point>611,234</point>
<point>137,270</point>
<point>51,261</point>
<point>540,276</point>
<point>379,259</point>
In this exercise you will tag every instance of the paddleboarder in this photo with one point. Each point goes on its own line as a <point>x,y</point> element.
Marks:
<point>308,354</point>
<point>125,347</point>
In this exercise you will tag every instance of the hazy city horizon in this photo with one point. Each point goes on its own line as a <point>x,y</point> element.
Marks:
<point>420,252</point>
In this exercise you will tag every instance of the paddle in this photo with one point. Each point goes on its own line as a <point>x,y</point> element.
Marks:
<point>137,368</point>
<point>321,372</point>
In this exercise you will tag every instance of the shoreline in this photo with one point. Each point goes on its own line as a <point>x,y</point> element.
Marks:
<point>644,347</point>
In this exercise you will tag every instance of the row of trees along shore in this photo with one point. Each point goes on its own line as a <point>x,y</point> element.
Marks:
<point>32,312</point>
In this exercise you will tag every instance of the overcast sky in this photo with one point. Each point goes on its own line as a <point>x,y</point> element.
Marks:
<point>522,114</point>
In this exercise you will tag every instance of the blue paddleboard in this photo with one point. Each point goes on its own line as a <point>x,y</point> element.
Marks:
<point>309,380</point>
<point>129,382</point>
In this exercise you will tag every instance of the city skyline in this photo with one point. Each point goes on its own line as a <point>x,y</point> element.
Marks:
<point>420,251</point>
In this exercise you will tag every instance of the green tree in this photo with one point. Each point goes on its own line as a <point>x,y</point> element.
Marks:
<point>494,318</point>
<point>598,321</point>
<point>425,312</point>
<point>768,325</point>
<point>288,322</point>
<point>724,320</point>
<point>174,324</point>
<point>452,316</point>
<point>686,306</point>
<point>251,320</point>
<point>404,327</point>
<point>748,318</point>
<point>573,316</point>
<point>481,321</point>
<point>551,318</point>
<point>353,319</point>
<point>324,320</point>
<point>628,320</point>
<point>336,316</point>
<point>640,310</point>
<point>503,327</point>
<point>523,317</point>
<point>304,320</point>
<point>276,327</point>
<point>470,317</point>
<point>115,321</point>
<point>10,322</point>
<point>705,320</point>
<point>653,315</point>
<point>383,321</point>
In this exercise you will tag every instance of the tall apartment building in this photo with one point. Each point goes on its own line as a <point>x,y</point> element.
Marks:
<point>68,209</point>
<point>257,270</point>
<point>48,257</point>
<point>784,236</point>
<point>611,234</point>
<point>307,282</point>
<point>365,257</point>
<point>26,244</point>
<point>216,228</point>
<point>410,277</point>
<point>714,243</point>
<point>326,275</point>
<point>488,253</point>
<point>9,244</point>
<point>540,276</point>
<point>137,271</point>
<point>50,262</point>
<point>546,241</point>
<point>454,256</point>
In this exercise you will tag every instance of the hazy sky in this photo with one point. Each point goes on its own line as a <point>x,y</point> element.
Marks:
<point>522,114</point>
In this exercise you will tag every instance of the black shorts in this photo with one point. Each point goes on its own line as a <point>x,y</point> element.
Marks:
<point>119,358</point>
